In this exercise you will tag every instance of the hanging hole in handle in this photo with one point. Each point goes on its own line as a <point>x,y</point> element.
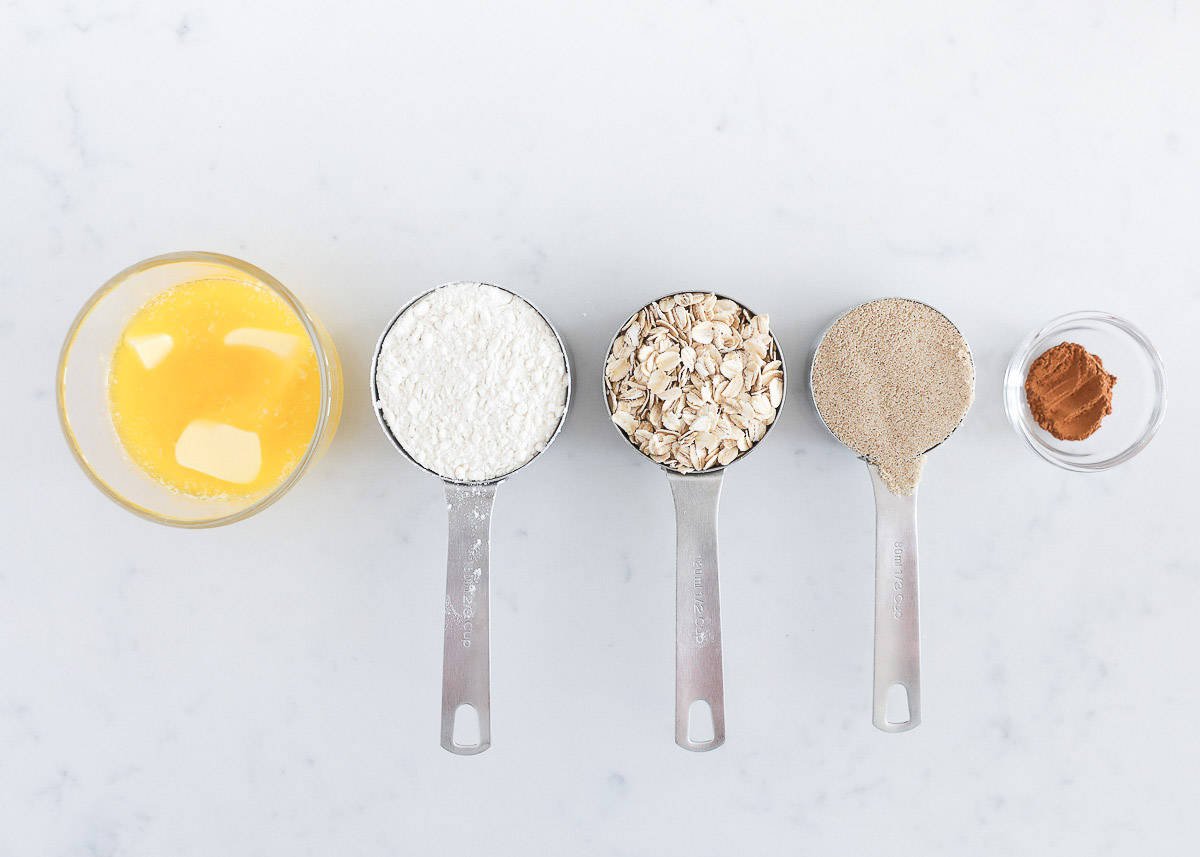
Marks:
<point>466,727</point>
<point>896,710</point>
<point>700,722</point>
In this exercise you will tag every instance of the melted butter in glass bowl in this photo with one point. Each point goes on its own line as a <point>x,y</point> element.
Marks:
<point>195,390</point>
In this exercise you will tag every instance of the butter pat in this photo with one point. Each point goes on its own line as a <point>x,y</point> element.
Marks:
<point>152,348</point>
<point>281,344</point>
<point>220,450</point>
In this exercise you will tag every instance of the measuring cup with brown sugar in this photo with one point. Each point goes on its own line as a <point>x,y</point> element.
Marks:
<point>694,382</point>
<point>892,379</point>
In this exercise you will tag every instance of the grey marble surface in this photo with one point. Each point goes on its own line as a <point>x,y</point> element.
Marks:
<point>272,688</point>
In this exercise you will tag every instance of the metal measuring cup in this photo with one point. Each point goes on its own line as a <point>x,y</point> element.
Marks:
<point>699,674</point>
<point>897,627</point>
<point>466,660</point>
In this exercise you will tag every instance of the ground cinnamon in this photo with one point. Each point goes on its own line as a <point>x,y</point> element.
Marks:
<point>1068,391</point>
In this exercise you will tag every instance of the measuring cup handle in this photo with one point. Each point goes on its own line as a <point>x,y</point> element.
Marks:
<point>897,628</point>
<point>698,671</point>
<point>465,655</point>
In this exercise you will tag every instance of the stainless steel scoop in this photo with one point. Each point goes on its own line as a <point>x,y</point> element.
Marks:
<point>699,674</point>
<point>897,629</point>
<point>466,662</point>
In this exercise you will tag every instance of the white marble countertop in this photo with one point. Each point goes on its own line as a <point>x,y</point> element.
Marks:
<point>272,688</point>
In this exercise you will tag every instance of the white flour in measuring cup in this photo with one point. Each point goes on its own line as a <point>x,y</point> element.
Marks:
<point>472,381</point>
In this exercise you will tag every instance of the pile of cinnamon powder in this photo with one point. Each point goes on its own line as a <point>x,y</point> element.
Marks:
<point>1068,391</point>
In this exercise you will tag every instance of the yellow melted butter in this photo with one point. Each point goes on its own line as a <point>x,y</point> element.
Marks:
<point>214,388</point>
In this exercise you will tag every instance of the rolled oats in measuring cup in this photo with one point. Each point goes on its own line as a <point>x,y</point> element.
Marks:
<point>694,382</point>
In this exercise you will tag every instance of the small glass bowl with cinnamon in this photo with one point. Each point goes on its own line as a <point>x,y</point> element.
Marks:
<point>1091,407</point>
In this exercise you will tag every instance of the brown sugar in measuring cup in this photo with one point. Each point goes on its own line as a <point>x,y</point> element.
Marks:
<point>892,379</point>
<point>1069,392</point>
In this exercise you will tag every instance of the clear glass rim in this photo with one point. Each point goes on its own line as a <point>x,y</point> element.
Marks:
<point>310,328</point>
<point>1014,386</point>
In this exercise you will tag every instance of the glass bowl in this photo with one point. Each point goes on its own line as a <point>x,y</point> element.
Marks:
<point>1139,397</point>
<point>82,390</point>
